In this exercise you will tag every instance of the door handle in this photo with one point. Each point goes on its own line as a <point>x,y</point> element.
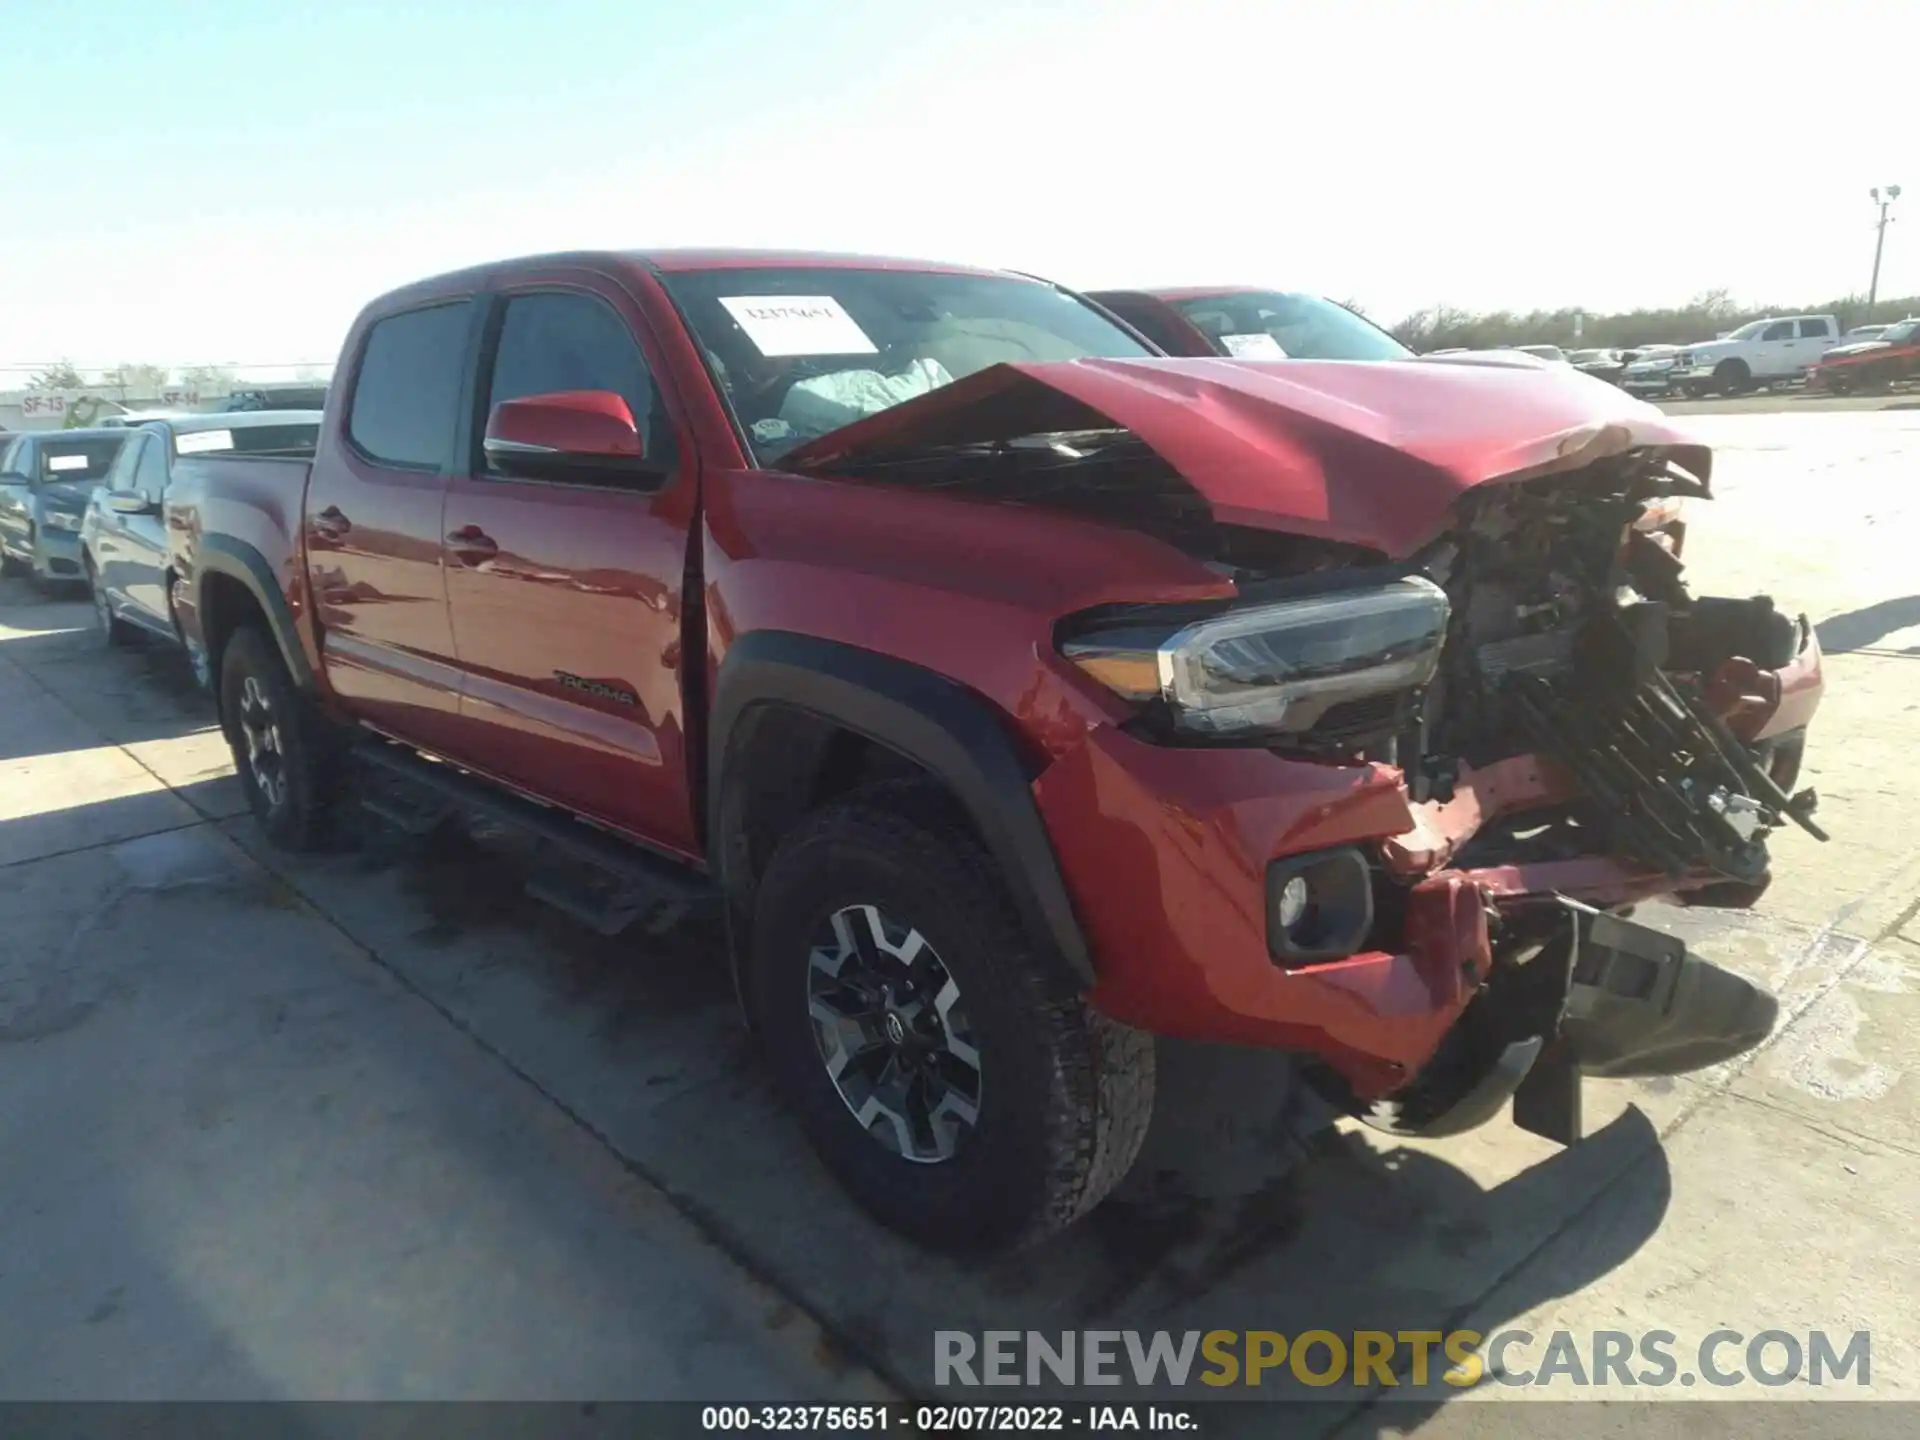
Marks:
<point>331,523</point>
<point>472,545</point>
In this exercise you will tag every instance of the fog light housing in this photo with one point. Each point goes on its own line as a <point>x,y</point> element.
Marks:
<point>1319,907</point>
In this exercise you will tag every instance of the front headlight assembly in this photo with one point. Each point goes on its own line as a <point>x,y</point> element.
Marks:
<point>62,520</point>
<point>1271,669</point>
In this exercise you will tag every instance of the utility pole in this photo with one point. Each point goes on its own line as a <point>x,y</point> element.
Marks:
<point>1879,240</point>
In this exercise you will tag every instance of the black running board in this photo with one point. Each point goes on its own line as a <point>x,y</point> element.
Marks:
<point>609,885</point>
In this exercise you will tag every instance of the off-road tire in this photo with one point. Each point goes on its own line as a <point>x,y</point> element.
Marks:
<point>1066,1094</point>
<point>297,818</point>
<point>115,631</point>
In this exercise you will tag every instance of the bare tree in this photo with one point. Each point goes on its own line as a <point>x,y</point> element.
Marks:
<point>136,382</point>
<point>61,375</point>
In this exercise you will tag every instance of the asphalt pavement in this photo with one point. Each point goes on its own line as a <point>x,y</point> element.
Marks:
<point>371,1124</point>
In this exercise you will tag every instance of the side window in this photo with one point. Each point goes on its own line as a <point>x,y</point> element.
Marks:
<point>1783,330</point>
<point>1152,323</point>
<point>120,474</point>
<point>406,394</point>
<point>556,340</point>
<point>1815,330</point>
<point>150,473</point>
<point>12,456</point>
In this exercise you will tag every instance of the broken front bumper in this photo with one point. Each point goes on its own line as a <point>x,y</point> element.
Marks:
<point>1598,996</point>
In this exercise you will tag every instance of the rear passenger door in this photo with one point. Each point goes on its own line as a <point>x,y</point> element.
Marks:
<point>566,597</point>
<point>1816,337</point>
<point>372,524</point>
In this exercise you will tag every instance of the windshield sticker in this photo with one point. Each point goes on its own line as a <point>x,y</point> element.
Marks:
<point>67,462</point>
<point>1258,346</point>
<point>783,325</point>
<point>195,442</point>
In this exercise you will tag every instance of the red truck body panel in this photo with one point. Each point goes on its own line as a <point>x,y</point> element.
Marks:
<point>411,625</point>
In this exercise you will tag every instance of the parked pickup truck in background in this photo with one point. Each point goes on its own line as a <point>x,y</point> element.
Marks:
<point>1758,353</point>
<point>123,540</point>
<point>1023,696</point>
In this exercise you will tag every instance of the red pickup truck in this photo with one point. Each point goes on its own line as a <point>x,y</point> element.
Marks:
<point>1023,694</point>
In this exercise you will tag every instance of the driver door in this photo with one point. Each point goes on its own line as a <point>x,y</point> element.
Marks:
<point>130,551</point>
<point>567,596</point>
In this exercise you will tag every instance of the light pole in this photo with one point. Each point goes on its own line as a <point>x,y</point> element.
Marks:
<point>1879,240</point>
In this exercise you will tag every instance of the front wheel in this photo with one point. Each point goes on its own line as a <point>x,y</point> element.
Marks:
<point>113,629</point>
<point>1732,377</point>
<point>958,1088</point>
<point>279,742</point>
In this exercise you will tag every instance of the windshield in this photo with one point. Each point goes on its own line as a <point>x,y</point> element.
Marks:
<point>801,352</point>
<point>1747,331</point>
<point>1900,334</point>
<point>299,438</point>
<point>75,462</point>
<point>1276,325</point>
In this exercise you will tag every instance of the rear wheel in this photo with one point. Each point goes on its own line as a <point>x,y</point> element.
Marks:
<point>113,629</point>
<point>279,741</point>
<point>953,1082</point>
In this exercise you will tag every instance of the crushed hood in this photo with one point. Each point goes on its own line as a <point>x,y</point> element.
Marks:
<point>1372,453</point>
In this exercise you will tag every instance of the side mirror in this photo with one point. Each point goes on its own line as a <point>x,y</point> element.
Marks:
<point>567,435</point>
<point>130,502</point>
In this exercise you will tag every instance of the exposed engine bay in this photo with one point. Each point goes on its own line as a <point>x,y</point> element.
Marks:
<point>1573,635</point>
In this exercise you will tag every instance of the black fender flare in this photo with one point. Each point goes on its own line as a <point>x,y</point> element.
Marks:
<point>237,560</point>
<point>958,737</point>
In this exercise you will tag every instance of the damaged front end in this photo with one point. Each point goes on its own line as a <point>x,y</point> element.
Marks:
<point>1459,714</point>
<point>1573,731</point>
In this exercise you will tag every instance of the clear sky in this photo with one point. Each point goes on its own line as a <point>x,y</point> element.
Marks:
<point>228,182</point>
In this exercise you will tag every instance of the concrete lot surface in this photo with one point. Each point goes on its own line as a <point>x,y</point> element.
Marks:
<point>373,1124</point>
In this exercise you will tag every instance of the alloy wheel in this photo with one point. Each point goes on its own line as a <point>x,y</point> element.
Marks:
<point>892,1031</point>
<point>260,729</point>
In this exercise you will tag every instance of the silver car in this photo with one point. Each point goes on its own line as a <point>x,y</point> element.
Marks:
<point>46,478</point>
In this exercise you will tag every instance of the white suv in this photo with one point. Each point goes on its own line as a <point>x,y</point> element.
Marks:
<point>1758,353</point>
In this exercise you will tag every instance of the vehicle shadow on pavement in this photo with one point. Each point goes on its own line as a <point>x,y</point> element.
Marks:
<point>1857,629</point>
<point>639,1037</point>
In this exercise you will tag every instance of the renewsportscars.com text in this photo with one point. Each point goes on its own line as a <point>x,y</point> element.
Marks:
<point>1362,1359</point>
